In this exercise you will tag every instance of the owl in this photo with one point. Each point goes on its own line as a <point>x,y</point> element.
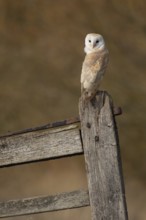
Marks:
<point>94,65</point>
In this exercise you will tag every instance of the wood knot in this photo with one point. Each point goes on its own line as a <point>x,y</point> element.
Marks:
<point>96,138</point>
<point>88,125</point>
<point>3,146</point>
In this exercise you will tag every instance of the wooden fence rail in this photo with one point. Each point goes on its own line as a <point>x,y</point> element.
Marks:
<point>40,145</point>
<point>35,205</point>
<point>96,137</point>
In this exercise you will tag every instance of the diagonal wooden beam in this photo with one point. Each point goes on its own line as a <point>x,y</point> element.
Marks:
<point>69,121</point>
<point>34,205</point>
<point>40,145</point>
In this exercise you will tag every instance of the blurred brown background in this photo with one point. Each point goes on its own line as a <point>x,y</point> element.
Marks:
<point>41,53</point>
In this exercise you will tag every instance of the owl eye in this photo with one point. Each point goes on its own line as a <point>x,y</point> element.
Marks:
<point>97,41</point>
<point>89,41</point>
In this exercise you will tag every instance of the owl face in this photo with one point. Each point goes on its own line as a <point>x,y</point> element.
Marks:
<point>93,43</point>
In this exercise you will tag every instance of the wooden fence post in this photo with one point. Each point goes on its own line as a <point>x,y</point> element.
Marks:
<point>102,159</point>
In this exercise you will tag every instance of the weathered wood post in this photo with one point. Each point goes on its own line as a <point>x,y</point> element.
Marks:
<point>102,159</point>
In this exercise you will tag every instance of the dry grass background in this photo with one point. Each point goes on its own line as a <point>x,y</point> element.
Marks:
<point>41,53</point>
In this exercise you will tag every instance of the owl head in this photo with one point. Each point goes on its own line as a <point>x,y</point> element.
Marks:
<point>93,43</point>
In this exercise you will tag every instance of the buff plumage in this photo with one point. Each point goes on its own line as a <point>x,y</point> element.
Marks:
<point>94,65</point>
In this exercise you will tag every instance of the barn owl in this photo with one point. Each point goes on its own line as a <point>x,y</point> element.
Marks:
<point>94,65</point>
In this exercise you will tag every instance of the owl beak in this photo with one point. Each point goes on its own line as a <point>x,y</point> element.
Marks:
<point>94,44</point>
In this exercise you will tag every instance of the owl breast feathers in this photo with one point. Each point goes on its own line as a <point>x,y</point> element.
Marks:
<point>93,70</point>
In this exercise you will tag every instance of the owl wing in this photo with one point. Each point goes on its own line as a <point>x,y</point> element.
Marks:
<point>99,66</point>
<point>93,70</point>
<point>93,64</point>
